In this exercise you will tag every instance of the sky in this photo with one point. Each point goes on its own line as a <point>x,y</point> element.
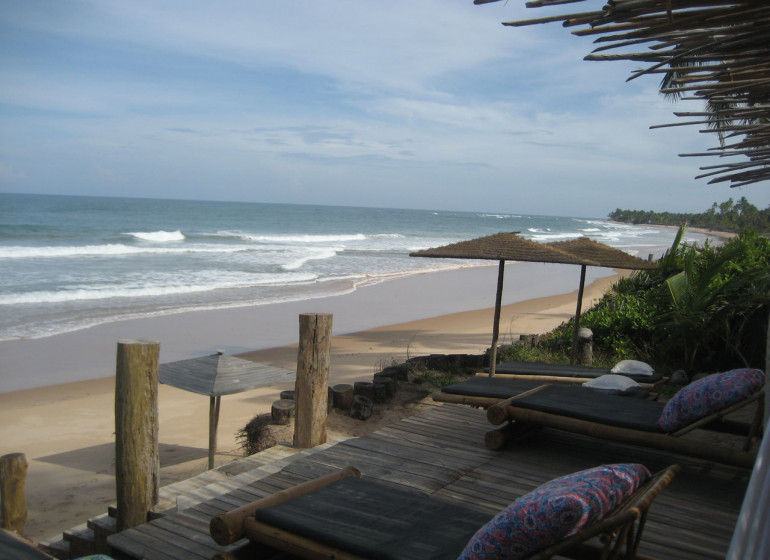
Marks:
<point>401,104</point>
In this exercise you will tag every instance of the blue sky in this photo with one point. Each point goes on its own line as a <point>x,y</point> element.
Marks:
<point>430,104</point>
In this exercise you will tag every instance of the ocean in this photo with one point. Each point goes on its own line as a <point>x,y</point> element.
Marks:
<point>71,262</point>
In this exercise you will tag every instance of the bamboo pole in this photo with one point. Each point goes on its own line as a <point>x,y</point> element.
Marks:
<point>496,324</point>
<point>137,463</point>
<point>578,309</point>
<point>13,504</point>
<point>226,528</point>
<point>214,403</point>
<point>498,413</point>
<point>311,386</point>
<point>635,437</point>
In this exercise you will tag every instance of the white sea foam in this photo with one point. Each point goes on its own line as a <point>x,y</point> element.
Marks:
<point>308,239</point>
<point>159,286</point>
<point>555,236</point>
<point>325,253</point>
<point>113,249</point>
<point>158,236</point>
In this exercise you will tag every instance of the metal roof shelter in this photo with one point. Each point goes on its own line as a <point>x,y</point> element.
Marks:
<point>218,375</point>
<point>511,247</point>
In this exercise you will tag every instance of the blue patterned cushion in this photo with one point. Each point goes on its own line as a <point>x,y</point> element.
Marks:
<point>555,511</point>
<point>709,395</point>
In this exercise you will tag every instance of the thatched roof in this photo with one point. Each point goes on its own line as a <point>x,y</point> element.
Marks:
<point>220,374</point>
<point>598,254</point>
<point>500,247</point>
<point>717,51</point>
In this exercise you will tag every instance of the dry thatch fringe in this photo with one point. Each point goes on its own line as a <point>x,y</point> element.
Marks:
<point>717,50</point>
<point>256,435</point>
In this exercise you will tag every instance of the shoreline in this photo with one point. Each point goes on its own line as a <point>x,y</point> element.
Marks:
<point>66,430</point>
<point>89,354</point>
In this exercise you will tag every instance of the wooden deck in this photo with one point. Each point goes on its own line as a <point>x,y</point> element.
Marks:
<point>442,452</point>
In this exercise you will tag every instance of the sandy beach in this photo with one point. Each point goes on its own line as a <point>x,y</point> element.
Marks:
<point>66,429</point>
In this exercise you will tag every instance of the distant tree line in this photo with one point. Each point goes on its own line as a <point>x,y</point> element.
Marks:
<point>727,216</point>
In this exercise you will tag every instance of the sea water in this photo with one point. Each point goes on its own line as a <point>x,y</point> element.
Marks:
<point>69,262</point>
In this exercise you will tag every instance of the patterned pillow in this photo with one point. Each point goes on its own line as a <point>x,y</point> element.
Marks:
<point>555,511</point>
<point>708,395</point>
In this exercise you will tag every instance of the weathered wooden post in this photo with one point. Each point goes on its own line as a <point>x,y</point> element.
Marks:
<point>137,463</point>
<point>311,386</point>
<point>585,346</point>
<point>13,505</point>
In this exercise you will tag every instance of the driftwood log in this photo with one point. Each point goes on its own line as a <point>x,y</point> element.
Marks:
<point>13,504</point>
<point>282,411</point>
<point>226,528</point>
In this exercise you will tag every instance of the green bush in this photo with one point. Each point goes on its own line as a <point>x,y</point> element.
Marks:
<point>705,309</point>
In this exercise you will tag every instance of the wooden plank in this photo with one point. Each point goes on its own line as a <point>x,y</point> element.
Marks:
<point>692,519</point>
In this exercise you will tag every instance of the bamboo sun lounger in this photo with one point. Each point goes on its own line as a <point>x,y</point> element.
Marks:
<point>701,404</point>
<point>345,517</point>
<point>565,373</point>
<point>484,391</point>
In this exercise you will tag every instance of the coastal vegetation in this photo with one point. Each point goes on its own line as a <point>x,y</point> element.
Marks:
<point>726,216</point>
<point>704,309</point>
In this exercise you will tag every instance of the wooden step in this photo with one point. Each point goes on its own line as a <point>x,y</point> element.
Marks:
<point>103,526</point>
<point>82,541</point>
<point>58,549</point>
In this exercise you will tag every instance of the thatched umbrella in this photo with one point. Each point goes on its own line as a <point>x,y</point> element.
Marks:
<point>596,254</point>
<point>218,375</point>
<point>500,247</point>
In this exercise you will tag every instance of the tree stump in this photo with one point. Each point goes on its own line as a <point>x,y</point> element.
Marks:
<point>13,504</point>
<point>362,407</point>
<point>282,411</point>
<point>342,396</point>
<point>364,388</point>
<point>287,395</point>
<point>383,390</point>
<point>387,374</point>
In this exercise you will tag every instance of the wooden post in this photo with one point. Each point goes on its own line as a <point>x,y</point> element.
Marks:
<point>137,463</point>
<point>496,320</point>
<point>311,386</point>
<point>214,403</point>
<point>13,505</point>
<point>578,309</point>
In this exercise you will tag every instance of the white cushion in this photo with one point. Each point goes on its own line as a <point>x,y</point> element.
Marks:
<point>633,367</point>
<point>612,383</point>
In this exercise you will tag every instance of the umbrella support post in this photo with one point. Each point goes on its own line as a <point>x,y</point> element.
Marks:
<point>214,403</point>
<point>578,310</point>
<point>496,324</point>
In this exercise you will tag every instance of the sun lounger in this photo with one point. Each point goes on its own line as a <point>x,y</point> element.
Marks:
<point>701,404</point>
<point>566,373</point>
<point>351,518</point>
<point>483,391</point>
